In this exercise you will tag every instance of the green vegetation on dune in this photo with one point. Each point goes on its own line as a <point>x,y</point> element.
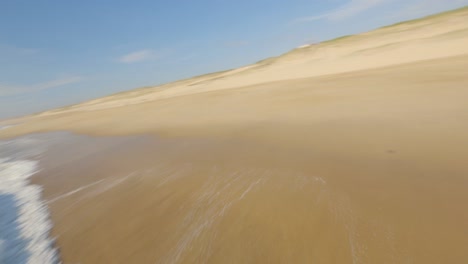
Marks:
<point>438,15</point>
<point>407,22</point>
<point>337,39</point>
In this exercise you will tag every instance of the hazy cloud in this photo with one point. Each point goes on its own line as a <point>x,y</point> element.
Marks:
<point>8,90</point>
<point>137,56</point>
<point>18,51</point>
<point>27,51</point>
<point>236,44</point>
<point>186,58</point>
<point>350,9</point>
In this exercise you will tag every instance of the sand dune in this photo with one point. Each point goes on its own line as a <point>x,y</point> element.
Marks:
<point>440,36</point>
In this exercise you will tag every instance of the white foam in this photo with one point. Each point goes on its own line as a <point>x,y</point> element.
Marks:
<point>32,219</point>
<point>77,190</point>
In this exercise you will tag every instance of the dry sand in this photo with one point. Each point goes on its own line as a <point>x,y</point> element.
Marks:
<point>349,151</point>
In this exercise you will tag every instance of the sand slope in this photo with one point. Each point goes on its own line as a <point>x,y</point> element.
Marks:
<point>440,36</point>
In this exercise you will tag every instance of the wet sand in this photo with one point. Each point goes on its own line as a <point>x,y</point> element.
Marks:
<point>153,200</point>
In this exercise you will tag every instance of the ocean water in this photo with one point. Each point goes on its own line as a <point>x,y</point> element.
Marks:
<point>24,217</point>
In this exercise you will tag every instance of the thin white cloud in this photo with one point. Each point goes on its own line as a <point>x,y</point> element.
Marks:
<point>137,56</point>
<point>350,9</point>
<point>27,51</point>
<point>5,48</point>
<point>8,90</point>
<point>186,58</point>
<point>236,44</point>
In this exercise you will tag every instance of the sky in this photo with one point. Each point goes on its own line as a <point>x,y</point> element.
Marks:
<point>55,53</point>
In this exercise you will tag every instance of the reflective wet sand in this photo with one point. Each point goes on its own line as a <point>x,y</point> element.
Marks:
<point>152,200</point>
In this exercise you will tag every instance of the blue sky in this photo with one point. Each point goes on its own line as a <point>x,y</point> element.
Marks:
<point>55,53</point>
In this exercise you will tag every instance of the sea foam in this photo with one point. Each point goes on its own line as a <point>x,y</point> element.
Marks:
<point>24,219</point>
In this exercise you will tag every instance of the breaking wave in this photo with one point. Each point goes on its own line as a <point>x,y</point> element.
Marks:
<point>24,218</point>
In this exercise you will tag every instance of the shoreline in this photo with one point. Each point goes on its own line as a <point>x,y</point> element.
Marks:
<point>183,200</point>
<point>25,224</point>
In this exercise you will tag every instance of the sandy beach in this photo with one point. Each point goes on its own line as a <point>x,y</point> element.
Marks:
<point>348,151</point>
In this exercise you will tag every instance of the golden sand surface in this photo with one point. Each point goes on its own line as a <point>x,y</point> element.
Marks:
<point>348,151</point>
<point>150,200</point>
